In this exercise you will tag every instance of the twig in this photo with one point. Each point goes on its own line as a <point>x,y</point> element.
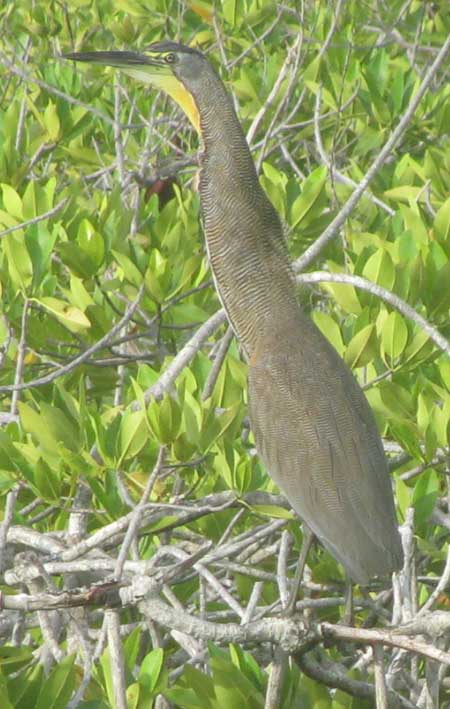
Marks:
<point>440,588</point>
<point>335,174</point>
<point>288,634</point>
<point>255,43</point>
<point>35,220</point>
<point>217,364</point>
<point>293,59</point>
<point>275,89</point>
<point>391,638</point>
<point>117,659</point>
<point>18,376</point>
<point>252,602</point>
<point>276,677</point>
<point>137,516</point>
<point>84,355</point>
<point>182,359</point>
<point>11,499</point>
<point>118,133</point>
<point>282,562</point>
<point>336,16</point>
<point>208,576</point>
<point>380,292</point>
<point>335,679</point>
<point>380,679</point>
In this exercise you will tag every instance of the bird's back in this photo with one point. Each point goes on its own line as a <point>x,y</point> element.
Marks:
<point>317,436</point>
<point>312,424</point>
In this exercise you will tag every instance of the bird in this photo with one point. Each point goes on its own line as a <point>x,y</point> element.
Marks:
<point>312,425</point>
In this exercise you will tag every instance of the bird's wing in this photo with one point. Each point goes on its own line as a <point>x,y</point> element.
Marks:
<point>317,436</point>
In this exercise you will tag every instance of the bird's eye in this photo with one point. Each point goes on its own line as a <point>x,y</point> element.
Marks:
<point>170,58</point>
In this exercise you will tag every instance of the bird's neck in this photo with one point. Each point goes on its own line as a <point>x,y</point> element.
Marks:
<point>244,236</point>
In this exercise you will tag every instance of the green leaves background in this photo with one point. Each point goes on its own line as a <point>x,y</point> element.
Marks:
<point>82,227</point>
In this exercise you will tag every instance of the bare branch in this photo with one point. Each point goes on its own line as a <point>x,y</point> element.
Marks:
<point>335,174</point>
<point>394,300</point>
<point>136,518</point>
<point>39,218</point>
<point>184,356</point>
<point>20,364</point>
<point>117,659</point>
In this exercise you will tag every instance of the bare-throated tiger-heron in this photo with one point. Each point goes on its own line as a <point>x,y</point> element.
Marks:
<point>312,425</point>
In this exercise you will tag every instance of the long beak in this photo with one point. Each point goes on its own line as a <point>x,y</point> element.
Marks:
<point>117,59</point>
<point>148,69</point>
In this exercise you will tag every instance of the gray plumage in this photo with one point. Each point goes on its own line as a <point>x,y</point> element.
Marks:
<point>313,427</point>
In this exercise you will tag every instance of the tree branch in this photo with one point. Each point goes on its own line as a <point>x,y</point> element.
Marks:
<point>380,292</point>
<point>332,229</point>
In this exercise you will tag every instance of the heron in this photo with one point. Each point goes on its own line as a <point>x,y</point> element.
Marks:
<point>312,425</point>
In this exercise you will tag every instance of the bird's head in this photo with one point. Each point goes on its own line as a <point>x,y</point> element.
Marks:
<point>174,68</point>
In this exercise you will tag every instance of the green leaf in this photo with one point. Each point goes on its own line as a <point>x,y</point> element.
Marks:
<point>394,337</point>
<point>77,260</point>
<point>131,646</point>
<point>61,427</point>
<point>362,348</point>
<point>4,698</point>
<point>13,659</point>
<point>91,242</point>
<point>11,201</point>
<point>40,244</point>
<point>51,121</point>
<point>133,695</point>
<point>46,482</point>
<point>150,669</point>
<point>133,434</point>
<point>273,511</point>
<point>397,92</point>
<point>311,190</point>
<point>248,666</point>
<point>343,293</point>
<point>164,419</point>
<point>106,670</point>
<point>442,223</point>
<point>404,193</point>
<point>380,269</point>
<point>444,370</point>
<point>403,496</point>
<point>329,327</point>
<point>59,685</point>
<point>398,401</point>
<point>426,492</point>
<point>186,698</point>
<point>414,222</point>
<point>130,271</point>
<point>417,347</point>
<point>33,423</point>
<point>73,318</point>
<point>19,263</point>
<point>232,11</point>
<point>200,683</point>
<point>79,295</point>
<point>192,418</point>
<point>24,688</point>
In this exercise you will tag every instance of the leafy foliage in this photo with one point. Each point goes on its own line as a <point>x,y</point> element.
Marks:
<point>98,199</point>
